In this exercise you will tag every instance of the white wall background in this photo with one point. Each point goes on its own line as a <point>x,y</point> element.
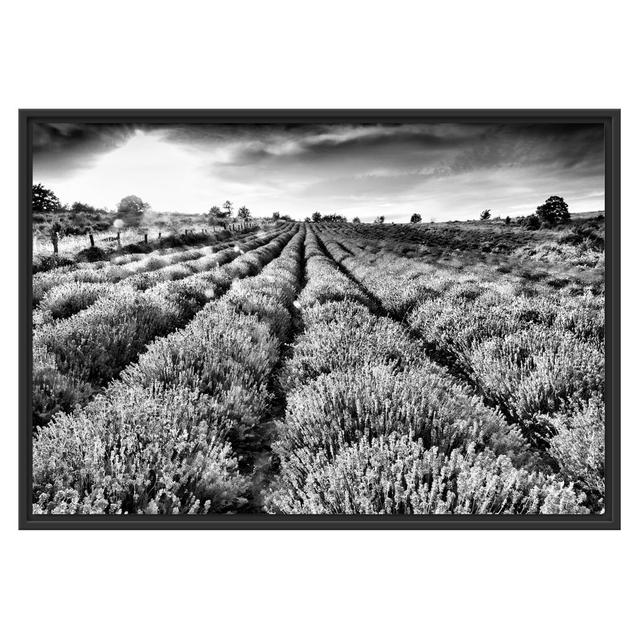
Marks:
<point>318,584</point>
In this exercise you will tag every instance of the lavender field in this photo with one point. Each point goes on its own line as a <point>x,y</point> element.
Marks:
<point>326,368</point>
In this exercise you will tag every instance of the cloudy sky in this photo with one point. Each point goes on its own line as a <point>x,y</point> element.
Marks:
<point>443,171</point>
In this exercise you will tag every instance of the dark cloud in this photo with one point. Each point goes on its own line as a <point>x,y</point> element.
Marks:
<point>66,136</point>
<point>328,143</point>
<point>64,147</point>
<point>378,160</point>
<point>432,149</point>
<point>468,146</point>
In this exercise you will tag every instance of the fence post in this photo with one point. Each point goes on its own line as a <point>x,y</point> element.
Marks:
<point>145,239</point>
<point>91,241</point>
<point>118,238</point>
<point>159,235</point>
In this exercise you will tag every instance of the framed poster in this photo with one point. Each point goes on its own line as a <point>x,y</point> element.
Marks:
<point>319,319</point>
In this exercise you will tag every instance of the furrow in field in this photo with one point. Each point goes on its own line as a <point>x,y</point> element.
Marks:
<point>73,358</point>
<point>174,433</point>
<point>263,461</point>
<point>373,426</point>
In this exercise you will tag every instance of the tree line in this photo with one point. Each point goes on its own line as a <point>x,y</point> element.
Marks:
<point>226,211</point>
<point>81,218</point>
<point>131,209</point>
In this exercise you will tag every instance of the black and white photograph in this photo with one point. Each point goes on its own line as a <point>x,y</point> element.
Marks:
<point>319,321</point>
<point>318,317</point>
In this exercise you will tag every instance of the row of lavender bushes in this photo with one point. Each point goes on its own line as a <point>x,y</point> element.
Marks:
<point>74,357</point>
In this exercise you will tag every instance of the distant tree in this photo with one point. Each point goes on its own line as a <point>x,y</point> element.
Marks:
<point>356,220</point>
<point>553,211</point>
<point>486,214</point>
<point>416,217</point>
<point>131,209</point>
<point>132,204</point>
<point>81,207</point>
<point>243,212</point>
<point>214,215</point>
<point>507,220</point>
<point>316,216</point>
<point>275,215</point>
<point>228,208</point>
<point>307,219</point>
<point>379,220</point>
<point>285,217</point>
<point>43,199</point>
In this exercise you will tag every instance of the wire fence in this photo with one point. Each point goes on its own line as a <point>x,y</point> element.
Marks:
<point>69,245</point>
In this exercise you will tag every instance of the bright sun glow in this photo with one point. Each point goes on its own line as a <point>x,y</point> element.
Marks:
<point>166,175</point>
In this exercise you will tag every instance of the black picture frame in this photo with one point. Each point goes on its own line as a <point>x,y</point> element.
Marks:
<point>610,519</point>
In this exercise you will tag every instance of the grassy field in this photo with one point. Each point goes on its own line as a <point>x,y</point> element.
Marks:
<point>326,369</point>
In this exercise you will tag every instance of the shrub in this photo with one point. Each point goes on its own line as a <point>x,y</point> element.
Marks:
<point>53,391</point>
<point>46,263</point>
<point>70,298</point>
<point>453,326</point>
<point>342,344</point>
<point>340,311</point>
<point>189,295</point>
<point>583,316</point>
<point>137,450</point>
<point>92,254</point>
<point>222,353</point>
<point>326,283</point>
<point>534,371</point>
<point>269,309</point>
<point>396,475</point>
<point>97,343</point>
<point>578,447</point>
<point>344,406</point>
